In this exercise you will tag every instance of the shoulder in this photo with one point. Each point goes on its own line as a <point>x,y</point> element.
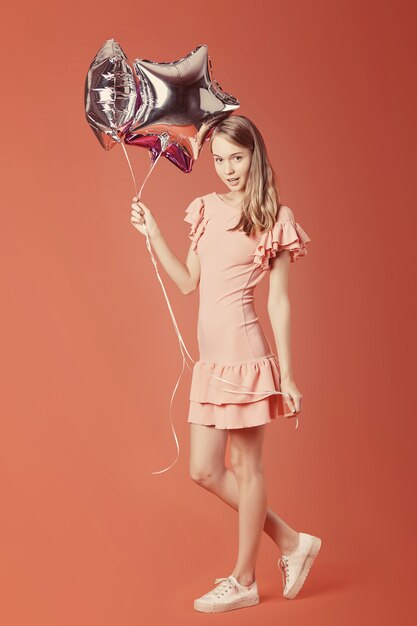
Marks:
<point>207,197</point>
<point>194,211</point>
<point>286,234</point>
<point>196,215</point>
<point>198,207</point>
<point>285,213</point>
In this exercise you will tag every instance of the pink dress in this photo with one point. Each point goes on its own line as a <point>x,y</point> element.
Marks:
<point>231,341</point>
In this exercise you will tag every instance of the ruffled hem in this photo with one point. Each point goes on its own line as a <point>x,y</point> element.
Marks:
<point>195,215</point>
<point>245,382</point>
<point>286,234</point>
<point>239,415</point>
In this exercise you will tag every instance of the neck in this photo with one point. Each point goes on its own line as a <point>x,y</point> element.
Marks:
<point>235,196</point>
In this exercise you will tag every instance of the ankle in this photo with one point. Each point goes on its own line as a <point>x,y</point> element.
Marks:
<point>245,579</point>
<point>290,544</point>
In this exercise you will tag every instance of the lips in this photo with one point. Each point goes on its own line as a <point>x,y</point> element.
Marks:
<point>232,180</point>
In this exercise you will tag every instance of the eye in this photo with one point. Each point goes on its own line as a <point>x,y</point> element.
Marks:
<point>218,159</point>
<point>238,157</point>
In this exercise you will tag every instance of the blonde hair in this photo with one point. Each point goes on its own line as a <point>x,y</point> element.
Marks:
<point>260,203</point>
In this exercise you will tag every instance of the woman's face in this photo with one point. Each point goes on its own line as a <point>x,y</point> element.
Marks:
<point>232,162</point>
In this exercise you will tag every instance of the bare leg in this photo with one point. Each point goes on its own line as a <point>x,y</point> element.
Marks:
<point>207,468</point>
<point>246,459</point>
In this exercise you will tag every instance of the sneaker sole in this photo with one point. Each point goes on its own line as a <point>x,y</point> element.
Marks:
<point>220,608</point>
<point>309,560</point>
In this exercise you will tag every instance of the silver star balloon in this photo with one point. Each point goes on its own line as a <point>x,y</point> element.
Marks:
<point>180,104</point>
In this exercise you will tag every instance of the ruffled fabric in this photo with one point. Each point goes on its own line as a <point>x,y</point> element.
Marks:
<point>226,416</point>
<point>260,375</point>
<point>228,403</point>
<point>286,234</point>
<point>195,215</point>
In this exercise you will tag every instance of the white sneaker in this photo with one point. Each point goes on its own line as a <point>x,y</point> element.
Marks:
<point>295,566</point>
<point>227,595</point>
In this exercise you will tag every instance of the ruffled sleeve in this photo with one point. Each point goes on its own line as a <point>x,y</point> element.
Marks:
<point>286,234</point>
<point>195,215</point>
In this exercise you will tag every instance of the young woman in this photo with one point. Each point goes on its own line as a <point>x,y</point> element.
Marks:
<point>236,239</point>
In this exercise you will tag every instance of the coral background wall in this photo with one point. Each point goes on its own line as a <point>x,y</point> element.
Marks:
<point>90,358</point>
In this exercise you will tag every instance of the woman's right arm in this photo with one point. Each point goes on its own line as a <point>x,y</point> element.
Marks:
<point>187,276</point>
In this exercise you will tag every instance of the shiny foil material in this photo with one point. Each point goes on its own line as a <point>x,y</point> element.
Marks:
<point>111,94</point>
<point>180,101</point>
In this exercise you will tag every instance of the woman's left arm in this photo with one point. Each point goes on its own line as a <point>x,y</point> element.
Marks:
<point>279,311</point>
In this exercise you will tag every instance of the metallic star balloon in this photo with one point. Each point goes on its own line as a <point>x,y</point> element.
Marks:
<point>180,104</point>
<point>111,94</point>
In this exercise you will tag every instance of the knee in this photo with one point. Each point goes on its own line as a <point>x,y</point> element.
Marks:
<point>244,469</point>
<point>204,476</point>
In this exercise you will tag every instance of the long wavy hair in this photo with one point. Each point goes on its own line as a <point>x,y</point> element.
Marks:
<point>261,202</point>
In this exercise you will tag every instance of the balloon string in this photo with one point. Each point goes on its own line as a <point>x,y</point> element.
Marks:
<point>131,170</point>
<point>178,333</point>
<point>181,341</point>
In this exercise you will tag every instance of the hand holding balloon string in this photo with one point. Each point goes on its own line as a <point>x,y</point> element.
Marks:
<point>143,220</point>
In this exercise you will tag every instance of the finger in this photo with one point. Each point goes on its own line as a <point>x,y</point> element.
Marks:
<point>290,402</point>
<point>294,404</point>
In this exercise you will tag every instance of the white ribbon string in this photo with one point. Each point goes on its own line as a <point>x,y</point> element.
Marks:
<point>177,330</point>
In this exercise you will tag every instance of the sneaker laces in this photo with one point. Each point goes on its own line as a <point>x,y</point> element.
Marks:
<point>226,583</point>
<point>283,563</point>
